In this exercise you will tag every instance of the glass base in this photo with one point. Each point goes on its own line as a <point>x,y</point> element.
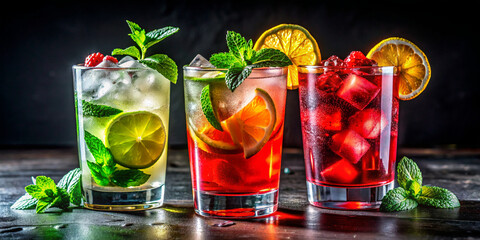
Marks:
<point>124,201</point>
<point>235,206</point>
<point>347,198</point>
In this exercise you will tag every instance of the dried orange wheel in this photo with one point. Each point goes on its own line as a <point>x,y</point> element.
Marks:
<point>412,64</point>
<point>296,42</point>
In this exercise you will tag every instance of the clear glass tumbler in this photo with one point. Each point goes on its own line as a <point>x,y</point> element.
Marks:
<point>349,121</point>
<point>122,129</point>
<point>235,167</point>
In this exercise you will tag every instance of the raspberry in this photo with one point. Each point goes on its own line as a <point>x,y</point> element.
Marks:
<point>93,59</point>
<point>110,58</point>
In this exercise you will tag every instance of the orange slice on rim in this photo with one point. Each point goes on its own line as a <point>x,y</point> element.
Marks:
<point>296,42</point>
<point>412,64</point>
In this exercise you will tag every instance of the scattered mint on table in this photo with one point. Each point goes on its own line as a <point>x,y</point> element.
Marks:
<point>144,40</point>
<point>104,170</point>
<point>411,193</point>
<point>242,58</point>
<point>44,194</point>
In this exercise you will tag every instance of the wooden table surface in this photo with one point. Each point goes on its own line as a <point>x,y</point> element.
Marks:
<point>295,219</point>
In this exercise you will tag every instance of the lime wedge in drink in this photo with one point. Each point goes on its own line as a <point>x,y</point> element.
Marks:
<point>136,139</point>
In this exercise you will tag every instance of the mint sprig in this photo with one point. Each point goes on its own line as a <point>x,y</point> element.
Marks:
<point>411,193</point>
<point>44,194</point>
<point>144,40</point>
<point>104,171</point>
<point>242,58</point>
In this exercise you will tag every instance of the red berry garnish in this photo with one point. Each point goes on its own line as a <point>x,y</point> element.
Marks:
<point>93,59</point>
<point>110,58</point>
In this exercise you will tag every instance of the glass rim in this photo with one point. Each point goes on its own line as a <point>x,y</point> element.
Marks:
<point>335,67</point>
<point>81,67</point>
<point>225,69</point>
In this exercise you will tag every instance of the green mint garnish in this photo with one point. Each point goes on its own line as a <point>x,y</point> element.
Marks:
<point>104,171</point>
<point>144,40</point>
<point>129,178</point>
<point>47,194</point>
<point>438,197</point>
<point>96,110</point>
<point>397,200</point>
<point>411,193</point>
<point>242,58</point>
<point>407,170</point>
<point>162,64</point>
<point>71,183</point>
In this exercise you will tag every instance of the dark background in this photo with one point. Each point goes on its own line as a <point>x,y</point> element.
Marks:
<point>41,41</point>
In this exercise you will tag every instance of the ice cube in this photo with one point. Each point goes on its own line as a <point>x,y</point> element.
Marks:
<point>357,91</point>
<point>325,116</point>
<point>125,59</point>
<point>105,87</point>
<point>107,64</point>
<point>349,145</point>
<point>369,123</point>
<point>328,82</point>
<point>226,174</point>
<point>341,171</point>
<point>145,82</point>
<point>130,63</point>
<point>200,61</point>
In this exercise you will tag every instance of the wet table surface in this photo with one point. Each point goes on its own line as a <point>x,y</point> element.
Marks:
<point>295,219</point>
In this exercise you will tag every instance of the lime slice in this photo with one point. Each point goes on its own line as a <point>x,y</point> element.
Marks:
<point>252,126</point>
<point>136,139</point>
<point>207,108</point>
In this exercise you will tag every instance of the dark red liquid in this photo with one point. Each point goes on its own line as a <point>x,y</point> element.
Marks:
<point>349,126</point>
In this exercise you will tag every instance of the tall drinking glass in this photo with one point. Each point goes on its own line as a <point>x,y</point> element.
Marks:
<point>122,127</point>
<point>235,167</point>
<point>349,121</point>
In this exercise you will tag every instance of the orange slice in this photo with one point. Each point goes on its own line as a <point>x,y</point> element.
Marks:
<point>412,64</point>
<point>252,126</point>
<point>296,42</point>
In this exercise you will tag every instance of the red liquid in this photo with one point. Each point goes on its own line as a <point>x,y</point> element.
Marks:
<point>349,127</point>
<point>218,171</point>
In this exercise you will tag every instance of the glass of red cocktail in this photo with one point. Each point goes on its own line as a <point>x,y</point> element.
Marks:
<point>349,115</point>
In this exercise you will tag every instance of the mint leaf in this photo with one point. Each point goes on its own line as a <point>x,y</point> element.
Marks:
<point>146,40</point>
<point>35,191</point>
<point>157,35</point>
<point>414,189</point>
<point>407,170</point>
<point>138,35</point>
<point>72,183</point>
<point>242,58</point>
<point>397,200</point>
<point>269,57</point>
<point>98,174</point>
<point>129,178</point>
<point>96,110</point>
<point>438,197</point>
<point>96,147</point>
<point>25,202</point>
<point>130,51</point>
<point>164,65</point>
<point>236,75</point>
<point>224,60</point>
<point>236,44</point>
<point>62,199</point>
<point>42,206</point>
<point>46,183</point>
